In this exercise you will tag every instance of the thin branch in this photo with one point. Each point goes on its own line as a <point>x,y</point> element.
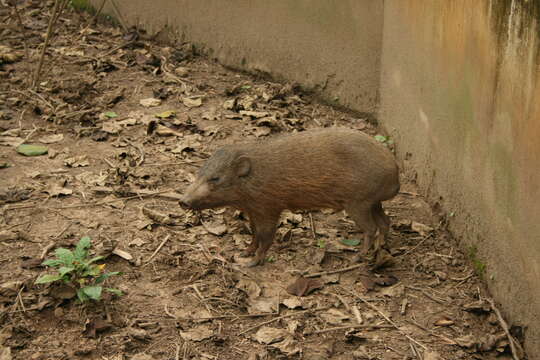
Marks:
<point>281,317</point>
<point>504,325</point>
<point>157,249</point>
<point>373,307</point>
<point>350,327</point>
<point>23,29</point>
<point>50,27</point>
<point>98,12</point>
<point>322,273</point>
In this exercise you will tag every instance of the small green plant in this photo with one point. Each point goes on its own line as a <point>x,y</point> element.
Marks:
<point>386,140</point>
<point>478,265</point>
<point>271,259</point>
<point>321,243</point>
<point>77,270</point>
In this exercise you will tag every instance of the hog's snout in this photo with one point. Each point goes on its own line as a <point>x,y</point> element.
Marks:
<point>184,202</point>
<point>196,196</point>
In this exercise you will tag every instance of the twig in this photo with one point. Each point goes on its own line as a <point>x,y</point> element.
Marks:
<point>432,333</point>
<point>60,10</point>
<point>373,307</point>
<point>95,203</point>
<point>23,30</point>
<point>116,48</point>
<point>63,231</point>
<point>322,273</point>
<point>415,247</point>
<point>46,250</point>
<point>504,326</point>
<point>119,16</point>
<point>157,249</point>
<point>109,163</point>
<point>350,327</point>
<point>439,301</point>
<point>217,317</point>
<point>281,317</point>
<point>312,226</point>
<point>46,44</point>
<point>178,163</point>
<point>414,351</point>
<point>28,136</point>
<point>177,355</point>
<point>98,12</point>
<point>38,96</point>
<point>19,297</point>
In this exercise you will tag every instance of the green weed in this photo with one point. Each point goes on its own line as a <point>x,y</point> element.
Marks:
<point>76,269</point>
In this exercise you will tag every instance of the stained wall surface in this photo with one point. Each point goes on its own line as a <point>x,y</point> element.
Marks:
<point>460,92</point>
<point>332,46</point>
<point>456,83</point>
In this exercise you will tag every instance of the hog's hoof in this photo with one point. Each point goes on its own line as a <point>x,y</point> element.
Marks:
<point>253,262</point>
<point>247,253</point>
<point>246,261</point>
<point>382,259</point>
<point>363,257</point>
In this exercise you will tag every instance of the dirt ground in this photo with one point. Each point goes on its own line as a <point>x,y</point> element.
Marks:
<point>127,121</point>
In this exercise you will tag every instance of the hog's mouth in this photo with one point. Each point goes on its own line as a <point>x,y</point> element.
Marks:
<point>201,205</point>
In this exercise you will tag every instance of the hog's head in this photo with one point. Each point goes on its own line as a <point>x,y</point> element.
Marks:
<point>218,181</point>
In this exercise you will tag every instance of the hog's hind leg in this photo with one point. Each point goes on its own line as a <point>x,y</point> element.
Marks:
<point>362,215</point>
<point>383,223</point>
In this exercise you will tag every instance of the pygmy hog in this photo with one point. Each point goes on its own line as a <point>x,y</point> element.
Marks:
<point>333,168</point>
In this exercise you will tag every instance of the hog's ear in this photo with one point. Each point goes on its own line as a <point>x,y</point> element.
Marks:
<point>242,166</point>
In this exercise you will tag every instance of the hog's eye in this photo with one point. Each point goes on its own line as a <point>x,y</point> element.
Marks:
<point>214,179</point>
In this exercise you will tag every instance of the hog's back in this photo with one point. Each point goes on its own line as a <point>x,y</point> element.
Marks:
<point>325,168</point>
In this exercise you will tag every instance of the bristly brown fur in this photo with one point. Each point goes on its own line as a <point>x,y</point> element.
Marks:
<point>327,168</point>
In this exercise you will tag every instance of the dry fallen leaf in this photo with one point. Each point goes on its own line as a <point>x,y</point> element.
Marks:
<point>254,114</point>
<point>7,235</point>
<point>77,161</point>
<point>334,316</point>
<point>57,190</point>
<point>150,102</point>
<point>444,321</point>
<point>157,217</point>
<point>262,305</point>
<point>111,127</point>
<point>215,227</point>
<point>268,335</point>
<point>50,139</point>
<point>289,346</point>
<point>198,333</point>
<point>10,140</point>
<point>5,353</point>
<point>432,355</point>
<point>192,102</point>
<point>422,229</point>
<point>466,341</point>
<point>292,302</point>
<point>123,254</point>
<point>250,287</point>
<point>303,286</point>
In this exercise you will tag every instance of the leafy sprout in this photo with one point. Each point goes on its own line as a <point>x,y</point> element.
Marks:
<point>78,270</point>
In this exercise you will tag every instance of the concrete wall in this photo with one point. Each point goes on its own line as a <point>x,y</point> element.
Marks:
<point>333,45</point>
<point>460,91</point>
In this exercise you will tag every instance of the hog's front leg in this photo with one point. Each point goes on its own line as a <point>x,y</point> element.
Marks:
<point>265,226</point>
